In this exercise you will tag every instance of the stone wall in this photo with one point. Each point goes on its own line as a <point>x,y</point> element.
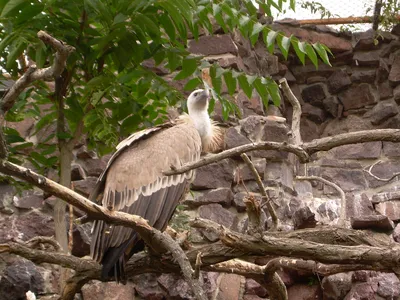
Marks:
<point>360,91</point>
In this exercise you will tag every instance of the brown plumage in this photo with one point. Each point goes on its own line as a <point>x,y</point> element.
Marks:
<point>133,181</point>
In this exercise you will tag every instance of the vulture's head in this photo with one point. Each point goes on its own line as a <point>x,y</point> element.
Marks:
<point>198,100</point>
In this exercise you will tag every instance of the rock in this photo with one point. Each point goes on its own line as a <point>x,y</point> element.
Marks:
<point>215,175</point>
<point>234,139</point>
<point>313,113</point>
<point>338,81</point>
<point>314,94</point>
<point>396,29</point>
<point>348,124</point>
<point>391,209</point>
<point>147,287</point>
<point>363,76</point>
<point>108,290</point>
<point>213,45</point>
<point>77,172</point>
<point>391,48</point>
<point>303,188</point>
<point>304,292</point>
<point>246,174</point>
<point>394,75</point>
<point>374,222</point>
<point>331,105</point>
<point>301,73</point>
<point>357,96</point>
<point>28,201</point>
<point>290,77</point>
<point>365,290</point>
<point>81,240</point>
<point>382,72</point>
<point>315,79</point>
<point>382,112</point>
<point>309,130</point>
<point>254,288</point>
<point>279,172</point>
<point>329,210</point>
<point>85,186</point>
<point>363,275</point>
<point>364,40</point>
<point>367,59</point>
<point>388,285</point>
<point>34,224</point>
<point>238,200</point>
<point>385,196</point>
<point>230,287</point>
<point>358,206</point>
<point>369,150</point>
<point>220,215</point>
<point>383,170</point>
<point>348,180</point>
<point>84,153</point>
<point>175,286</point>
<point>304,218</point>
<point>396,233</point>
<point>336,286</point>
<point>385,91</point>
<point>17,279</point>
<point>294,205</point>
<point>223,196</point>
<point>250,106</point>
<point>396,94</point>
<point>94,166</point>
<point>391,149</point>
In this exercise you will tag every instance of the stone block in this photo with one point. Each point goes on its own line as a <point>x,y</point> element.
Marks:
<point>391,209</point>
<point>279,172</point>
<point>85,186</point>
<point>223,196</point>
<point>357,96</point>
<point>250,106</point>
<point>381,112</point>
<point>382,170</point>
<point>254,288</point>
<point>301,73</point>
<point>230,287</point>
<point>396,94</point>
<point>147,287</point>
<point>358,205</point>
<point>385,91</point>
<point>396,233</point>
<point>304,292</point>
<point>367,58</point>
<point>77,172</point>
<point>382,72</point>
<point>348,179</point>
<point>394,75</point>
<point>246,174</point>
<point>336,286</point>
<point>215,175</point>
<point>234,139</point>
<point>314,113</point>
<point>386,196</point>
<point>329,210</point>
<point>373,222</point>
<point>369,150</point>
<point>314,94</point>
<point>304,218</point>
<point>94,166</point>
<point>213,45</point>
<point>363,76</point>
<point>28,201</point>
<point>108,290</point>
<point>338,81</point>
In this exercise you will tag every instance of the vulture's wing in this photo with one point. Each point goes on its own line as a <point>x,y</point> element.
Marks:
<point>134,183</point>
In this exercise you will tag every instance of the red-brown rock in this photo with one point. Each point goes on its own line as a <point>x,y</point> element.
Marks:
<point>213,45</point>
<point>357,96</point>
<point>304,292</point>
<point>338,81</point>
<point>394,75</point>
<point>215,175</point>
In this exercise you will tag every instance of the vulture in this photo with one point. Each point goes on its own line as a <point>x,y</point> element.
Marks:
<point>133,181</point>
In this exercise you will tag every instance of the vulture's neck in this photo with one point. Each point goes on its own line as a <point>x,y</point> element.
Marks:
<point>202,122</point>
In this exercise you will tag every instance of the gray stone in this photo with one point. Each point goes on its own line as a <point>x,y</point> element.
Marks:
<point>374,222</point>
<point>81,235</point>
<point>279,172</point>
<point>252,127</point>
<point>303,72</point>
<point>388,285</point>
<point>246,174</point>
<point>329,209</point>
<point>254,288</point>
<point>223,196</point>
<point>304,292</point>
<point>314,113</point>
<point>18,278</point>
<point>396,233</point>
<point>85,186</point>
<point>369,150</point>
<point>391,48</point>
<point>348,180</point>
<point>77,172</point>
<point>382,112</point>
<point>215,175</point>
<point>358,205</point>
<point>94,166</point>
<point>108,290</point>
<point>315,79</point>
<point>338,81</point>
<point>294,205</point>
<point>396,29</point>
<point>394,75</point>
<point>309,130</point>
<point>303,188</point>
<point>147,287</point>
<point>386,196</point>
<point>363,76</point>
<point>367,59</point>
<point>336,286</point>
<point>213,45</point>
<point>396,94</point>
<point>33,224</point>
<point>304,218</point>
<point>357,96</point>
<point>383,170</point>
<point>84,153</point>
<point>385,91</point>
<point>363,275</point>
<point>382,72</point>
<point>391,209</point>
<point>238,201</point>
<point>230,287</point>
<point>314,94</point>
<point>28,201</point>
<point>331,105</point>
<point>364,40</point>
<point>365,290</point>
<point>250,106</point>
<point>234,139</point>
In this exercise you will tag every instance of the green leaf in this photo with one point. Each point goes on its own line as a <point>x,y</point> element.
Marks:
<point>230,82</point>
<point>168,25</point>
<point>284,45</point>
<point>273,90</point>
<point>215,74</point>
<point>192,84</point>
<point>189,65</point>
<point>245,86</point>
<point>261,90</point>
<point>13,6</point>
<point>269,39</point>
<point>300,54</point>
<point>322,53</point>
<point>312,55</point>
<point>293,5</point>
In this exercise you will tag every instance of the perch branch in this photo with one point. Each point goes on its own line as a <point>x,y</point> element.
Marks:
<point>261,187</point>
<point>369,171</point>
<point>342,217</point>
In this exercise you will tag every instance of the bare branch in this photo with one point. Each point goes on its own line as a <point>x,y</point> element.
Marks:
<point>369,171</point>
<point>342,217</point>
<point>33,73</point>
<point>296,136</point>
<point>356,137</point>
<point>261,187</point>
<point>211,158</point>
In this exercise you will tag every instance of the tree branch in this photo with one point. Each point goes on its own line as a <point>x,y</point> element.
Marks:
<point>369,171</point>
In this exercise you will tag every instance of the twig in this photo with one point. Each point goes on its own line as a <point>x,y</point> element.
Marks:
<point>33,242</point>
<point>197,266</point>
<point>261,187</point>
<point>342,217</point>
<point>369,171</point>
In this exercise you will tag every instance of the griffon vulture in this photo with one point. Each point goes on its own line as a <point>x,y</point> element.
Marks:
<point>133,181</point>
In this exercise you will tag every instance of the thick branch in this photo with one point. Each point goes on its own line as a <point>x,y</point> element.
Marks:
<point>342,217</point>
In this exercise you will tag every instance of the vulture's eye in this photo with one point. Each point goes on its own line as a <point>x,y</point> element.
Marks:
<point>195,94</point>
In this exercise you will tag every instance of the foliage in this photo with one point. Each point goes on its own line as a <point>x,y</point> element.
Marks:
<point>106,86</point>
